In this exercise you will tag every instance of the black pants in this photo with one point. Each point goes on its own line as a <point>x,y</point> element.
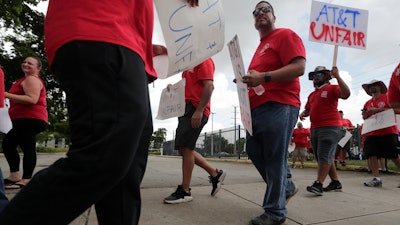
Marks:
<point>22,134</point>
<point>111,125</point>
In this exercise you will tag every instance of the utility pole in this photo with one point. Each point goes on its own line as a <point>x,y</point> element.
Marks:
<point>234,125</point>
<point>212,133</point>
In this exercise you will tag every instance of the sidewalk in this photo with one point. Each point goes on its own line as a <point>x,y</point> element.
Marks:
<point>241,196</point>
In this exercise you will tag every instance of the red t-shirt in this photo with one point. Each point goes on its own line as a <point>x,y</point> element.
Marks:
<point>125,23</point>
<point>322,105</point>
<point>194,82</point>
<point>275,51</point>
<point>301,137</point>
<point>1,88</point>
<point>382,103</point>
<point>394,86</point>
<point>346,123</point>
<point>32,111</point>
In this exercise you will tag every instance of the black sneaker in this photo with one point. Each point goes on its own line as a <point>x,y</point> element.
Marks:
<point>178,196</point>
<point>334,185</point>
<point>216,181</point>
<point>265,220</point>
<point>315,188</point>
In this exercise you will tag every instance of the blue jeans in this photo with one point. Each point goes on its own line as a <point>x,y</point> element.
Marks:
<point>273,125</point>
<point>3,197</point>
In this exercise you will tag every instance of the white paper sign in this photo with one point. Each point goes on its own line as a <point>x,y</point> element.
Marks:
<point>291,148</point>
<point>192,34</point>
<point>5,121</point>
<point>238,69</point>
<point>172,102</point>
<point>345,139</point>
<point>338,25</point>
<point>379,121</point>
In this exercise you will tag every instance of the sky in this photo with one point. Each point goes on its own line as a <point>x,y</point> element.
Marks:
<point>356,66</point>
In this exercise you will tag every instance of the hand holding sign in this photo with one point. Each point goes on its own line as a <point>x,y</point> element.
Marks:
<point>192,34</point>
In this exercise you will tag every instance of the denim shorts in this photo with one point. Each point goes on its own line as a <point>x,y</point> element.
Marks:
<point>324,141</point>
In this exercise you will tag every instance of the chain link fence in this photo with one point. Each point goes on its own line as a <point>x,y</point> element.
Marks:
<point>228,142</point>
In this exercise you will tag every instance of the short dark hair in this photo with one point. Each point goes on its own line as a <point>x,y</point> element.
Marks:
<point>272,9</point>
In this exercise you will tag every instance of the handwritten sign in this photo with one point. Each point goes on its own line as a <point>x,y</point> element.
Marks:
<point>172,102</point>
<point>238,69</point>
<point>338,25</point>
<point>192,34</point>
<point>379,121</point>
<point>345,139</point>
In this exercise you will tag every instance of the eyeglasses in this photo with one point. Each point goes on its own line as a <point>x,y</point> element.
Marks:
<point>263,9</point>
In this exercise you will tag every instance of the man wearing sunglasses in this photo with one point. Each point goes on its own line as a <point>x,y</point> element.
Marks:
<point>326,125</point>
<point>276,65</point>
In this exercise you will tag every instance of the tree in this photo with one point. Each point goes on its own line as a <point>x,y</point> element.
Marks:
<point>158,138</point>
<point>23,28</point>
<point>219,142</point>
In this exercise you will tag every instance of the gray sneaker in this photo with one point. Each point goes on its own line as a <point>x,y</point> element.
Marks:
<point>373,183</point>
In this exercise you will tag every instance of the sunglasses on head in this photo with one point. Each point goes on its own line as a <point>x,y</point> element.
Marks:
<point>263,9</point>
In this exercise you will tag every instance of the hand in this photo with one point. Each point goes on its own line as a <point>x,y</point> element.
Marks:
<point>334,72</point>
<point>196,119</point>
<point>169,87</point>
<point>159,50</point>
<point>253,78</point>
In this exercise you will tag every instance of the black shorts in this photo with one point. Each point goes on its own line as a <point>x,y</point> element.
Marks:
<point>384,146</point>
<point>186,135</point>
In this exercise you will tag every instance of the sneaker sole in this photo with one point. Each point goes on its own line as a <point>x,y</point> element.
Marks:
<point>367,185</point>
<point>177,201</point>
<point>220,180</point>
<point>336,190</point>
<point>309,189</point>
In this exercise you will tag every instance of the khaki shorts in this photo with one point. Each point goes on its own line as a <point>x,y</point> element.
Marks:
<point>300,151</point>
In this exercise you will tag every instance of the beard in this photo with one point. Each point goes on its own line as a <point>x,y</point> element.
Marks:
<point>319,83</point>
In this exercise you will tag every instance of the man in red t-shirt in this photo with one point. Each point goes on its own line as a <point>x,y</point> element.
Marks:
<point>326,125</point>
<point>342,151</point>
<point>380,143</point>
<point>198,90</point>
<point>274,70</point>
<point>301,138</point>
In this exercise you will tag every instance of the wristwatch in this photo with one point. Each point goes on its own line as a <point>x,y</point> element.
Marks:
<point>267,77</point>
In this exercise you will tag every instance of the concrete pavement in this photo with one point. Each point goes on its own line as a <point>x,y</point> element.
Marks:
<point>241,196</point>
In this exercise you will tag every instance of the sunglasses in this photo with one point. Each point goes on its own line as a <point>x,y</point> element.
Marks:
<point>318,75</point>
<point>265,9</point>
